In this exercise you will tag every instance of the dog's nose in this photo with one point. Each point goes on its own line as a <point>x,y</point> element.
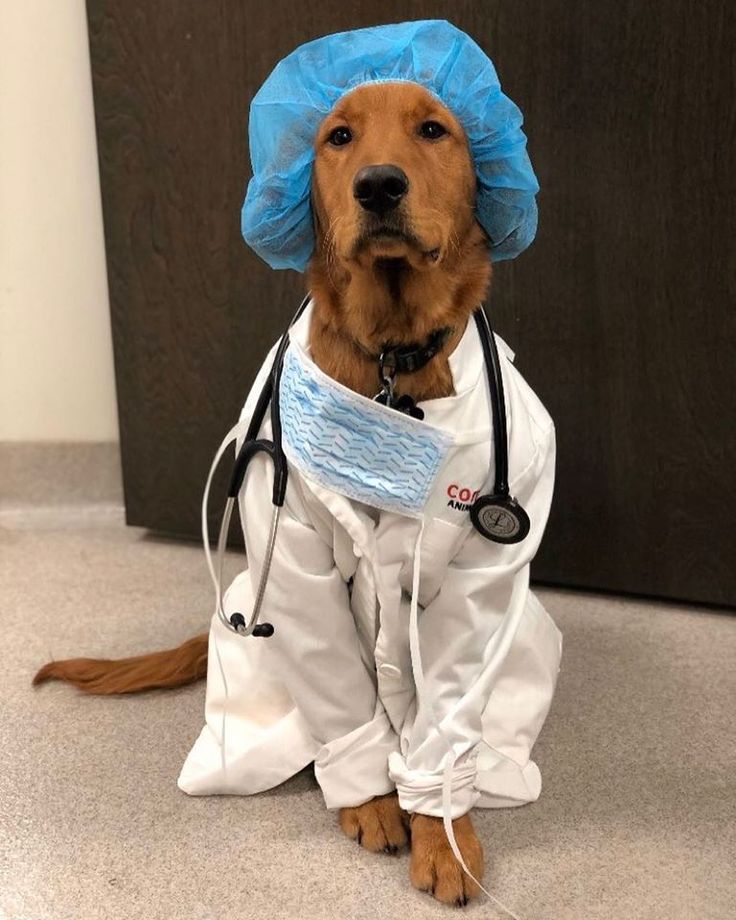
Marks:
<point>380,188</point>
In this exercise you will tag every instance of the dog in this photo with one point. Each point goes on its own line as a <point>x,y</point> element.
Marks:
<point>399,253</point>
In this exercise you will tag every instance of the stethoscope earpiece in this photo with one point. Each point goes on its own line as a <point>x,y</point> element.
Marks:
<point>500,518</point>
<point>260,630</point>
<point>264,630</point>
<point>237,621</point>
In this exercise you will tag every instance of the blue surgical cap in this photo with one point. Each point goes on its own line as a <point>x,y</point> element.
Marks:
<point>303,88</point>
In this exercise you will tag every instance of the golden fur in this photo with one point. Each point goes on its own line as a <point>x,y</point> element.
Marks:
<point>370,288</point>
<point>380,289</point>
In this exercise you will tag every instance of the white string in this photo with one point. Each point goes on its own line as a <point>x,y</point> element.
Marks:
<point>235,432</point>
<point>423,697</point>
<point>223,744</point>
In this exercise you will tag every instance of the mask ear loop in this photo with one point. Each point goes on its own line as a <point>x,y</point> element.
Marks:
<point>237,431</point>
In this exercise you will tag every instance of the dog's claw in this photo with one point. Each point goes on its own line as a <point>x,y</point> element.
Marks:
<point>377,825</point>
<point>434,867</point>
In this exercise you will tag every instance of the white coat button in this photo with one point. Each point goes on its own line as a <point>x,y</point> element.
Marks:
<point>357,550</point>
<point>389,670</point>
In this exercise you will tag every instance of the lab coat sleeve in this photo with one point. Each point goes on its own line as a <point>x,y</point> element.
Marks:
<point>465,632</point>
<point>315,649</point>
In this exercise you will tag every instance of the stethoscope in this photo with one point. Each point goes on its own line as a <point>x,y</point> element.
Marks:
<point>496,516</point>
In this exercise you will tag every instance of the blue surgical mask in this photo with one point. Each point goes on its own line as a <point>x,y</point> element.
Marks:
<point>355,446</point>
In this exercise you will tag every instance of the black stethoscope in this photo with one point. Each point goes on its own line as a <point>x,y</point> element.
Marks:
<point>496,516</point>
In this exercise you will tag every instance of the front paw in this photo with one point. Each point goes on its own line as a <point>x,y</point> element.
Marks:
<point>433,864</point>
<point>378,825</point>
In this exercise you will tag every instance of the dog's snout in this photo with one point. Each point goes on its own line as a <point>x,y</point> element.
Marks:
<point>380,188</point>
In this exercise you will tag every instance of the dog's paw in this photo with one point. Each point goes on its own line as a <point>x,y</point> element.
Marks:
<point>433,864</point>
<point>378,825</point>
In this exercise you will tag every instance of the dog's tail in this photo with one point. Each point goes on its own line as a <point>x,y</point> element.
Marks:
<point>173,667</point>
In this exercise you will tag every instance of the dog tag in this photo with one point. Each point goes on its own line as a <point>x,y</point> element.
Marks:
<point>500,518</point>
<point>385,395</point>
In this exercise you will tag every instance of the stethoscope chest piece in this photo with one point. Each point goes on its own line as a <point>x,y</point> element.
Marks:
<point>499,518</point>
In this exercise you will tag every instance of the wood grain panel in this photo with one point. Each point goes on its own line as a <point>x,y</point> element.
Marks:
<point>623,310</point>
<point>621,313</point>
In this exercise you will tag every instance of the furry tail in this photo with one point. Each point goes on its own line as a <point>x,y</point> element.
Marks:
<point>171,668</point>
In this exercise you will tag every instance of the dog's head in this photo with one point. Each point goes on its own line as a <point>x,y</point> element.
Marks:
<point>393,178</point>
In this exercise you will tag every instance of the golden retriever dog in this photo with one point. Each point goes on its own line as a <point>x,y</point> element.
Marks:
<point>399,254</point>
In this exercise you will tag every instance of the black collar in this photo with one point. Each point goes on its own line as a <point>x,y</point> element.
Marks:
<point>407,359</point>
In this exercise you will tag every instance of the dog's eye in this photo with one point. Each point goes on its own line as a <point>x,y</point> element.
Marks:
<point>340,136</point>
<point>431,130</point>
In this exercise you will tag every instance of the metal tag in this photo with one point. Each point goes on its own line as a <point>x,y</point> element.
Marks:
<point>500,518</point>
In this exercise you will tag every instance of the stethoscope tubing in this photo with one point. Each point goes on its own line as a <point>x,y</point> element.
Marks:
<point>269,395</point>
<point>498,402</point>
<point>252,445</point>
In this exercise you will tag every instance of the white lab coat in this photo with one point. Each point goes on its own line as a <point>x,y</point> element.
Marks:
<point>335,684</point>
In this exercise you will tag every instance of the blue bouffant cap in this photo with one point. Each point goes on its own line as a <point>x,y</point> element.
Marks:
<point>303,88</point>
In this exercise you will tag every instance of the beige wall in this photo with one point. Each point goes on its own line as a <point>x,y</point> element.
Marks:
<point>56,371</point>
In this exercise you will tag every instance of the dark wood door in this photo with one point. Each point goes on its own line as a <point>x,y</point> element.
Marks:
<point>621,313</point>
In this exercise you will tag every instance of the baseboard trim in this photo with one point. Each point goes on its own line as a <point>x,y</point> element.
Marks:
<point>45,481</point>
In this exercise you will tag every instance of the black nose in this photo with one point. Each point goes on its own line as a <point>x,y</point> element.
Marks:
<point>380,188</point>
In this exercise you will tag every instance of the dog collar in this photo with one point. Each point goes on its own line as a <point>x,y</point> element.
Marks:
<point>407,359</point>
